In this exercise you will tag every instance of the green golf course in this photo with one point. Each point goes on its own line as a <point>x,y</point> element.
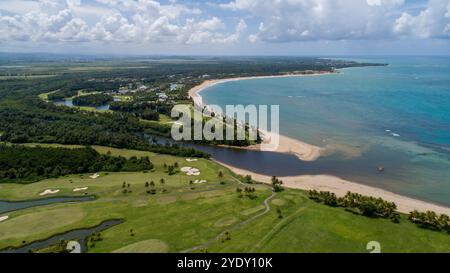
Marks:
<point>178,212</point>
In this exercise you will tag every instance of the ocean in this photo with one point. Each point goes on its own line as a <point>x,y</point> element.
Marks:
<point>396,117</point>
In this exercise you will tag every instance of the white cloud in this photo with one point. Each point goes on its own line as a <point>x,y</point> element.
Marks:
<point>19,7</point>
<point>309,20</point>
<point>137,21</point>
<point>433,22</point>
<point>174,22</point>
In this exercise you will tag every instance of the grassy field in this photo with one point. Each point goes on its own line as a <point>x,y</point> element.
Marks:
<point>25,77</point>
<point>186,216</point>
<point>44,96</point>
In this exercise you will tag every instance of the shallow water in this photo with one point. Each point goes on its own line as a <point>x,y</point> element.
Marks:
<point>397,117</point>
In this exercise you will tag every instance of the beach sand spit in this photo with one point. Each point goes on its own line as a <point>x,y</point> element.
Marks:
<point>302,150</point>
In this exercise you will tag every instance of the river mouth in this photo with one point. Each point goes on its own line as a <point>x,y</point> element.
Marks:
<point>9,206</point>
<point>363,169</point>
<point>79,235</point>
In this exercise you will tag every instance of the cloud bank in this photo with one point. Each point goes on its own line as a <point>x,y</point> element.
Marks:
<point>311,20</point>
<point>233,22</point>
<point>138,21</point>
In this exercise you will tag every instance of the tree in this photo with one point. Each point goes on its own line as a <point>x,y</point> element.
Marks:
<point>368,209</point>
<point>171,170</point>
<point>280,215</point>
<point>395,217</point>
<point>248,179</point>
<point>239,191</point>
<point>277,184</point>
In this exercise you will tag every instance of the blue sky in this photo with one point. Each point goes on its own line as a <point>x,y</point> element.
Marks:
<point>227,27</point>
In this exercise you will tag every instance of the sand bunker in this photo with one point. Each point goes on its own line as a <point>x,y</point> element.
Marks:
<point>200,181</point>
<point>191,171</point>
<point>80,189</point>
<point>95,176</point>
<point>191,159</point>
<point>3,218</point>
<point>47,192</point>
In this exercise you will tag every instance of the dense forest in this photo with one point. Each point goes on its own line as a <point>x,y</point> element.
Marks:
<point>70,88</point>
<point>23,164</point>
<point>143,109</point>
<point>93,100</point>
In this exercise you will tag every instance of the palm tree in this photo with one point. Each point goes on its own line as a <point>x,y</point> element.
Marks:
<point>444,222</point>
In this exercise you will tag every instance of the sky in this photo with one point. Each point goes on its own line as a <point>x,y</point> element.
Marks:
<point>226,27</point>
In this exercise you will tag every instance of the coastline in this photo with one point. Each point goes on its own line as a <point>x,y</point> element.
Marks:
<point>340,187</point>
<point>304,151</point>
<point>308,152</point>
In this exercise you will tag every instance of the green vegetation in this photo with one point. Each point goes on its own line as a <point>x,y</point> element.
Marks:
<point>307,226</point>
<point>143,110</point>
<point>141,182</point>
<point>430,220</point>
<point>94,100</point>
<point>29,115</point>
<point>277,184</point>
<point>177,217</point>
<point>21,164</point>
<point>60,247</point>
<point>358,204</point>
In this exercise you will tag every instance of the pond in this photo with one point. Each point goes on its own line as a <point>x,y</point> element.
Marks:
<point>8,206</point>
<point>79,235</point>
<point>69,103</point>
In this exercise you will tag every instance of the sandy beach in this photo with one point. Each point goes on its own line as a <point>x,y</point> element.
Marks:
<point>302,150</point>
<point>308,152</point>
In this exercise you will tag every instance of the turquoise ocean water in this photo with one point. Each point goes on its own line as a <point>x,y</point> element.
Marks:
<point>396,116</point>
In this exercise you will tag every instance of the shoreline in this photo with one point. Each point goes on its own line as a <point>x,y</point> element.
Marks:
<point>308,152</point>
<point>340,187</point>
<point>304,151</point>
